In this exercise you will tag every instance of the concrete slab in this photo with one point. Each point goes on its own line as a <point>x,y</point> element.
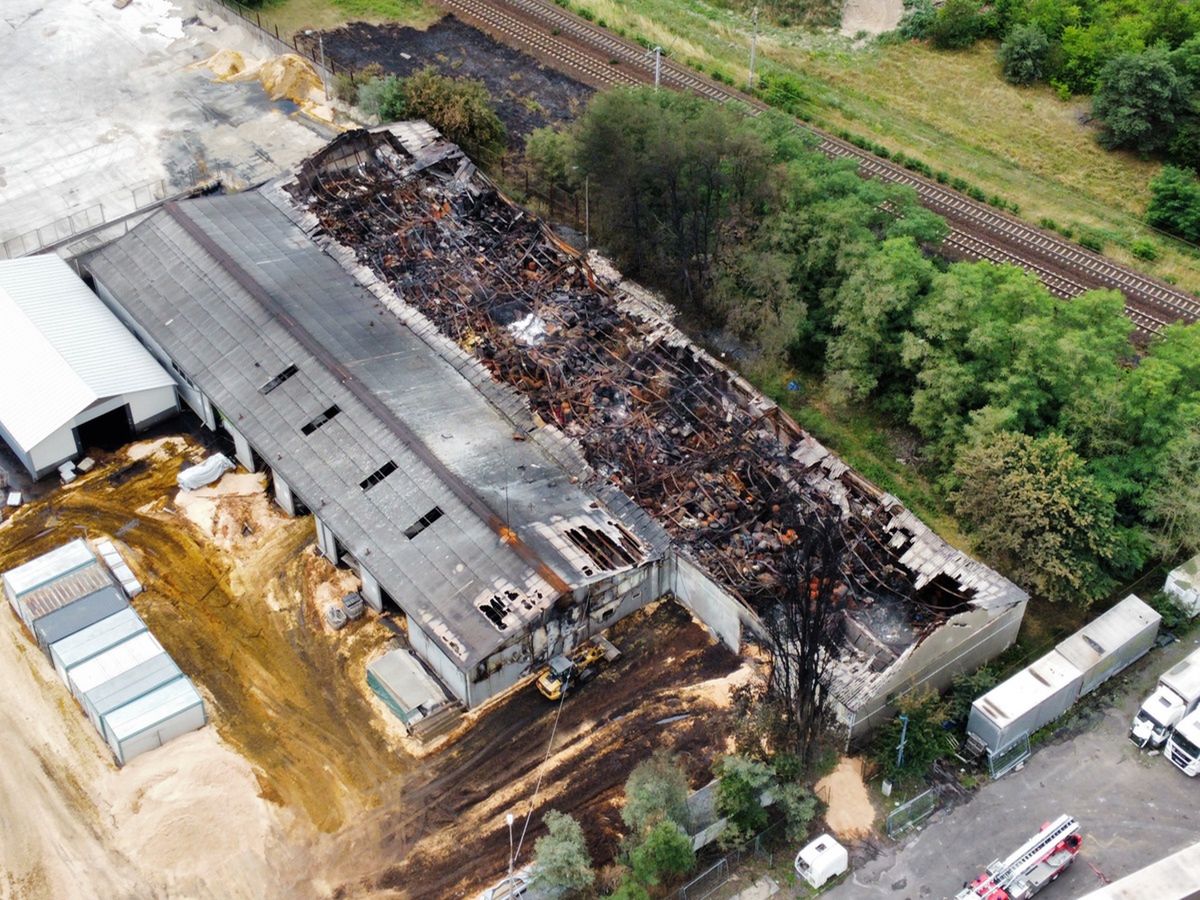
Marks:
<point>762,889</point>
<point>102,112</point>
<point>1133,809</point>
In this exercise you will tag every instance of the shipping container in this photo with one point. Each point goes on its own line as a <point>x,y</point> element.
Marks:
<point>112,663</point>
<point>1035,696</point>
<point>148,722</point>
<point>128,686</point>
<point>1109,643</point>
<point>95,639</point>
<point>77,615</point>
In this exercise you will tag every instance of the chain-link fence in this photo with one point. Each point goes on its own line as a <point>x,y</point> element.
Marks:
<point>1008,758</point>
<point>908,814</point>
<point>762,846</point>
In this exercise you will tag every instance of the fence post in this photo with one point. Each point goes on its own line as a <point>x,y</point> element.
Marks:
<point>258,19</point>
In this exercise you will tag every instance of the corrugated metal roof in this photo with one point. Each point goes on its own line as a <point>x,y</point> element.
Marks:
<point>1108,633</point>
<point>77,614</point>
<point>59,336</point>
<point>113,662</point>
<point>48,566</point>
<point>154,708</point>
<point>95,639</point>
<point>131,684</point>
<point>232,343</point>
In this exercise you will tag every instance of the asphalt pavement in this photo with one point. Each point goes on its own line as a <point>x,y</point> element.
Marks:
<point>1133,808</point>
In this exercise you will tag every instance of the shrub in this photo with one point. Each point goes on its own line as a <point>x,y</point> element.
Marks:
<point>1048,224</point>
<point>799,807</point>
<point>1175,202</point>
<point>1143,248</point>
<point>958,24</point>
<point>345,88</point>
<point>664,853</point>
<point>1172,616</point>
<point>461,109</point>
<point>966,688</point>
<point>739,793</point>
<point>925,738</point>
<point>561,860</point>
<point>1024,53</point>
<point>918,19</point>
<point>1091,241</point>
<point>657,789</point>
<point>383,97</point>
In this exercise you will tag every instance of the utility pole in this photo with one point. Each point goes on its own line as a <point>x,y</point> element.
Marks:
<point>903,736</point>
<point>320,59</point>
<point>509,818</point>
<point>587,215</point>
<point>753,46</point>
<point>657,51</point>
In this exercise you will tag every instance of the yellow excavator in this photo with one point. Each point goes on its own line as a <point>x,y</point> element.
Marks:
<point>564,674</point>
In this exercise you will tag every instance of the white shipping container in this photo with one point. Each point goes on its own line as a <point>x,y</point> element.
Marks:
<point>1035,696</point>
<point>150,721</point>
<point>94,640</point>
<point>1110,642</point>
<point>112,663</point>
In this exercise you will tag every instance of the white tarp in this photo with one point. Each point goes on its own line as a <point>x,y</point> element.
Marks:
<point>196,477</point>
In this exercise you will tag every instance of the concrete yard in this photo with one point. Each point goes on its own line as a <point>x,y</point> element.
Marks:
<point>1133,808</point>
<point>111,112</point>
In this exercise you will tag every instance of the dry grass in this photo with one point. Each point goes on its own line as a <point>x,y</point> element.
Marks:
<point>951,110</point>
<point>292,16</point>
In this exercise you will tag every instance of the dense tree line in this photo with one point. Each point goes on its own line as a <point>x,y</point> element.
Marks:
<point>1072,458</point>
<point>1140,61</point>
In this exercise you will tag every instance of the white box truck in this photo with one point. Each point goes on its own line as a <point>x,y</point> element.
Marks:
<point>1183,747</point>
<point>1176,694</point>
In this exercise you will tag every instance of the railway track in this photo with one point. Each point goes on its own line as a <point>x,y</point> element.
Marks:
<point>978,232</point>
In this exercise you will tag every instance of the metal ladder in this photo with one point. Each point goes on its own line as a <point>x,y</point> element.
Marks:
<point>1003,874</point>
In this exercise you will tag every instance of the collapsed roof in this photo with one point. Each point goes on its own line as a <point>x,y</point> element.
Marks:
<point>715,462</point>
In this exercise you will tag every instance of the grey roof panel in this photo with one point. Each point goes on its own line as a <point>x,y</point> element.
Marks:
<point>231,342</point>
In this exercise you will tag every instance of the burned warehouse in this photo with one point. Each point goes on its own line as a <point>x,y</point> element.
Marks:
<point>514,450</point>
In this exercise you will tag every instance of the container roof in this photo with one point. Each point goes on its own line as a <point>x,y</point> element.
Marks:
<point>115,661</point>
<point>405,679</point>
<point>42,570</point>
<point>61,337</point>
<point>1108,633</point>
<point>95,639</point>
<point>431,475</point>
<point>1031,686</point>
<point>153,709</point>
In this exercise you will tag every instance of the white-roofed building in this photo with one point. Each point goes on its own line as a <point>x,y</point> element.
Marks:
<point>70,373</point>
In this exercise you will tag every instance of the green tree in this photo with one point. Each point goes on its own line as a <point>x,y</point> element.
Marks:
<point>1175,202</point>
<point>918,19</point>
<point>966,688</point>
<point>664,853</point>
<point>1085,50</point>
<point>383,97</point>
<point>958,24</point>
<point>1173,501</point>
<point>873,309</point>
<point>742,781</point>
<point>657,789</point>
<point>1036,512</point>
<point>1138,99</point>
<point>550,154</point>
<point>1025,54</point>
<point>562,865</point>
<point>630,889</point>
<point>799,807</point>
<point>461,109</point>
<point>925,738</point>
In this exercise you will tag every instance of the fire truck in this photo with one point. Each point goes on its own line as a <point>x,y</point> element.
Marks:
<point>1035,864</point>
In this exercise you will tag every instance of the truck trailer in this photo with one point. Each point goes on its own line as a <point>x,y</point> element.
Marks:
<point>1176,694</point>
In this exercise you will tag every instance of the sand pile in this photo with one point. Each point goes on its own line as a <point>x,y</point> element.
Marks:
<point>850,813</point>
<point>286,77</point>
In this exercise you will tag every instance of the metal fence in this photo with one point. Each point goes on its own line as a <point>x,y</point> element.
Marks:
<point>907,815</point>
<point>1008,758</point>
<point>761,846</point>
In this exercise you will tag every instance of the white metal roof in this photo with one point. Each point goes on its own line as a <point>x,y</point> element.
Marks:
<point>153,709</point>
<point>46,568</point>
<point>1029,687</point>
<point>115,661</point>
<point>61,338</point>
<point>1108,633</point>
<point>95,639</point>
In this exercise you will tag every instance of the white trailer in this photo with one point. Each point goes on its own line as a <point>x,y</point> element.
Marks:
<point>1176,694</point>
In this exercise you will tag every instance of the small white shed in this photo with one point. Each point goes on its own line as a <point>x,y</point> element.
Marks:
<point>821,860</point>
<point>72,373</point>
<point>1183,586</point>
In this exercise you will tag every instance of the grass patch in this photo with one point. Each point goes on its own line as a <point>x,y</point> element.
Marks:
<point>294,16</point>
<point>950,109</point>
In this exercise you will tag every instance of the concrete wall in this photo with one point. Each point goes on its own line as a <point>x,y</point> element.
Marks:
<point>370,589</point>
<point>152,405</point>
<point>722,613</point>
<point>55,450</point>
<point>326,541</point>
<point>241,447</point>
<point>962,644</point>
<point>283,494</point>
